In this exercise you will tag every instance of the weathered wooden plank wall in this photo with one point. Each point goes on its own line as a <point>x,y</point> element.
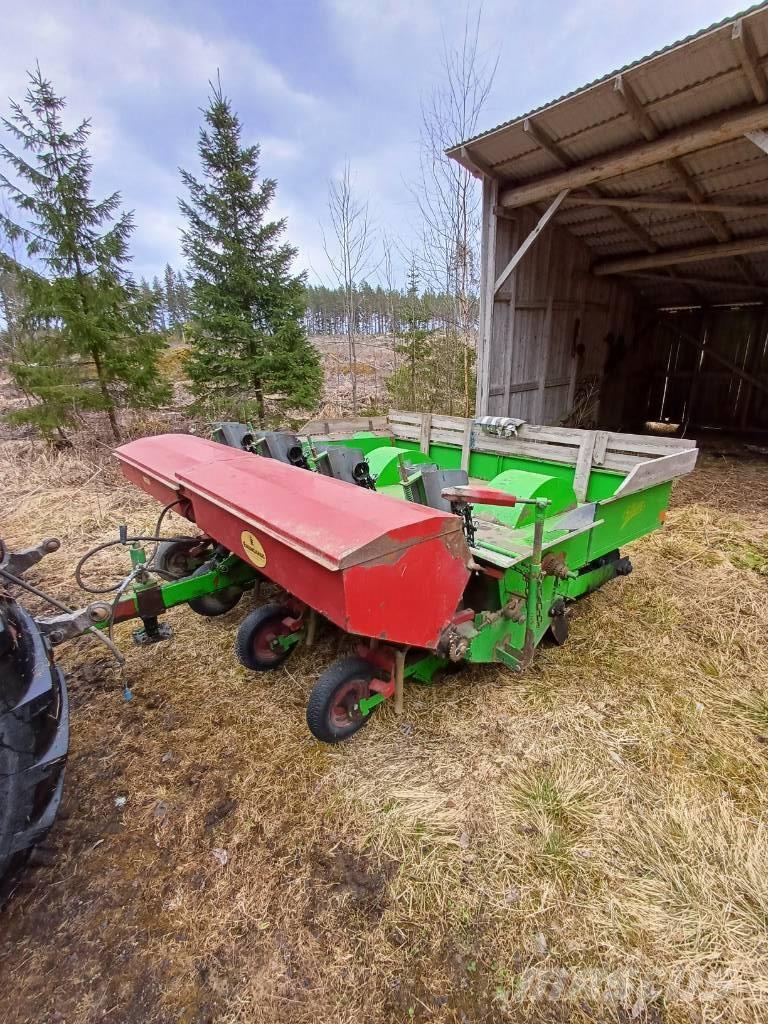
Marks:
<point>548,325</point>
<point>682,387</point>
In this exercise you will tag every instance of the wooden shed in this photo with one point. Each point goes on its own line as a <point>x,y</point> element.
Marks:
<point>625,242</point>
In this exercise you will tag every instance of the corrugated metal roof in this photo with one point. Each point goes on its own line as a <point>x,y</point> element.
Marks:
<point>684,83</point>
<point>686,41</point>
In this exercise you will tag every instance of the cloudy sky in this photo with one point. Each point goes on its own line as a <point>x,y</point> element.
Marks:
<point>315,82</point>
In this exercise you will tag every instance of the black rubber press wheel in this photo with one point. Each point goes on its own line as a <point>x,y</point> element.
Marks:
<point>333,712</point>
<point>211,605</point>
<point>558,623</point>
<point>257,645</point>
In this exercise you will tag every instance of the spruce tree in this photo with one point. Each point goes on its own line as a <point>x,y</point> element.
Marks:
<point>248,339</point>
<point>171,305</point>
<point>89,338</point>
<point>413,343</point>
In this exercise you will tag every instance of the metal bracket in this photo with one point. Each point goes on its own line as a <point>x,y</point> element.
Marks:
<point>153,632</point>
<point>67,625</point>
<point>17,562</point>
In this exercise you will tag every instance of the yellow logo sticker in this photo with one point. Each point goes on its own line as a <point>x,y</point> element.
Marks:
<point>253,549</point>
<point>632,511</point>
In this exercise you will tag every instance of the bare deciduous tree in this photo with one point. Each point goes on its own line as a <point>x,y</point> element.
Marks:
<point>447,196</point>
<point>349,251</point>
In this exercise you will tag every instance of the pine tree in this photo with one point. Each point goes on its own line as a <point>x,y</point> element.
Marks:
<point>248,339</point>
<point>90,343</point>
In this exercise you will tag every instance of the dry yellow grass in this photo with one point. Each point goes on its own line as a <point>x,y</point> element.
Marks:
<point>585,843</point>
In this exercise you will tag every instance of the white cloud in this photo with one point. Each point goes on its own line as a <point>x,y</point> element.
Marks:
<point>276,150</point>
<point>104,49</point>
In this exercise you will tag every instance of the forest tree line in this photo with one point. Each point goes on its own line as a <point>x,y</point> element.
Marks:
<point>378,311</point>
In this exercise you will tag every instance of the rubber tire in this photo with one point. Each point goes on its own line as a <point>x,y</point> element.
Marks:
<point>211,605</point>
<point>323,692</point>
<point>250,625</point>
<point>34,740</point>
<point>167,551</point>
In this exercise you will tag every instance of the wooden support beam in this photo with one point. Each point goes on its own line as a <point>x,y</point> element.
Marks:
<point>509,340</point>
<point>671,205</point>
<point>717,282</point>
<point>476,165</point>
<point>635,109</point>
<point>674,257</point>
<point>544,141</point>
<point>644,237</point>
<point>542,138</point>
<point>713,220</point>
<point>711,131</point>
<point>543,221</point>
<point>651,133</point>
<point>750,63</point>
<point>487,271</point>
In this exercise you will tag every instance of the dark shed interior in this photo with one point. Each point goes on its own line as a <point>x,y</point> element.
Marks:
<point>624,275</point>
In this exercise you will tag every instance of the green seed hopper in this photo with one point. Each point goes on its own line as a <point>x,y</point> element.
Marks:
<point>581,496</point>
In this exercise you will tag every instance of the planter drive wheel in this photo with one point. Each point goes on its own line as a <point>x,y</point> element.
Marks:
<point>220,603</point>
<point>333,713</point>
<point>173,561</point>
<point>257,645</point>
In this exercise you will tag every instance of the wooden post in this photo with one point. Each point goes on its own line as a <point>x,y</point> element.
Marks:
<point>487,265</point>
<point>466,446</point>
<point>544,361</point>
<point>399,680</point>
<point>673,257</point>
<point>584,465</point>
<point>510,339</point>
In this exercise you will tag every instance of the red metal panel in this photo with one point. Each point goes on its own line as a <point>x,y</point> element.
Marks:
<point>375,566</point>
<point>329,521</point>
<point>153,463</point>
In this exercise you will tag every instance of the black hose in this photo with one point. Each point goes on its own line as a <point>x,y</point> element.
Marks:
<point>111,543</point>
<point>130,540</point>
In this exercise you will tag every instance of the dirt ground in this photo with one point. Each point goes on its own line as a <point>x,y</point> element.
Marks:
<point>584,843</point>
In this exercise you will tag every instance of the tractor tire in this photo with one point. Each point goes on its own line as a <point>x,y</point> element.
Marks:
<point>34,740</point>
<point>332,714</point>
<point>256,636</point>
<point>211,605</point>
